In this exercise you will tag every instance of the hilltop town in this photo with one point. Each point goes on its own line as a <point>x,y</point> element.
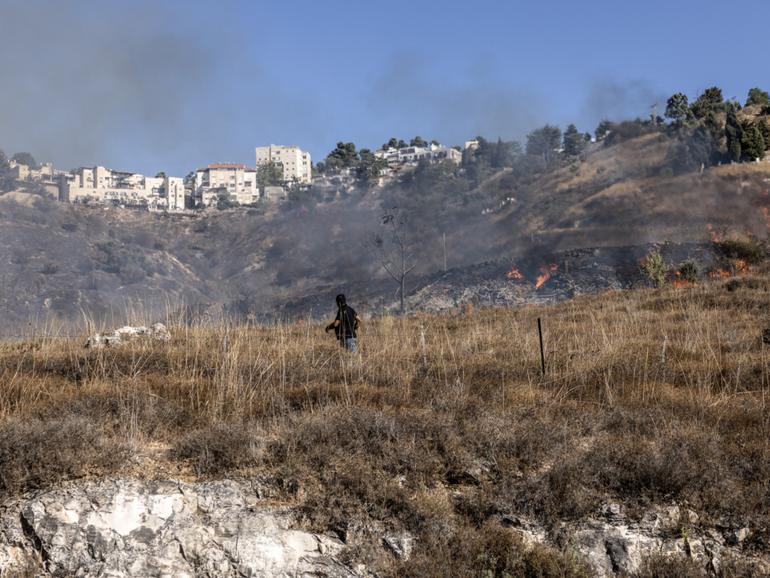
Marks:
<point>277,170</point>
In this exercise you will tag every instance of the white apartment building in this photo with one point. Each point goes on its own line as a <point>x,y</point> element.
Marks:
<point>413,155</point>
<point>236,181</point>
<point>103,185</point>
<point>44,174</point>
<point>296,163</point>
<point>175,194</point>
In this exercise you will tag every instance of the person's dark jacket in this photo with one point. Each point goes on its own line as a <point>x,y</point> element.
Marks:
<point>346,328</point>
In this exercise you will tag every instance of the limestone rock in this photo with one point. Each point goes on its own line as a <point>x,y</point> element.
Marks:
<point>400,544</point>
<point>127,528</point>
<point>157,332</point>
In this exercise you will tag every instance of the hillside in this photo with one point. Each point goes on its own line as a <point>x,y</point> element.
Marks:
<point>62,264</point>
<point>440,450</point>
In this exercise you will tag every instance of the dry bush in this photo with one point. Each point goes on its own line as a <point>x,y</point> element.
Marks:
<point>662,566</point>
<point>222,448</point>
<point>441,424</point>
<point>488,551</point>
<point>36,454</point>
<point>751,250</point>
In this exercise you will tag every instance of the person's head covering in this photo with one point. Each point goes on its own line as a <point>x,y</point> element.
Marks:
<point>341,301</point>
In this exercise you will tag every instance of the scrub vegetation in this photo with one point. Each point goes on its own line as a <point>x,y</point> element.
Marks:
<point>441,426</point>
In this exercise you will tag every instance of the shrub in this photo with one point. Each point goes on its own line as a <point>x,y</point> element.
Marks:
<point>751,250</point>
<point>222,448</point>
<point>35,454</point>
<point>689,271</point>
<point>662,566</point>
<point>49,269</point>
<point>491,551</point>
<point>654,268</point>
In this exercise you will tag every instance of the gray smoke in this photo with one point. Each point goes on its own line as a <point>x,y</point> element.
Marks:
<point>141,83</point>
<point>616,100</point>
<point>448,112</point>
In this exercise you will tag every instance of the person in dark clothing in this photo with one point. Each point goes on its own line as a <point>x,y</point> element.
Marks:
<point>345,325</point>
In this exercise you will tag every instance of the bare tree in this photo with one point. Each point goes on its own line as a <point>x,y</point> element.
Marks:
<point>395,250</point>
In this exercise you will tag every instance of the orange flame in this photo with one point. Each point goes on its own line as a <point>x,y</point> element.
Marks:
<point>514,273</point>
<point>740,266</point>
<point>545,273</point>
<point>680,283</point>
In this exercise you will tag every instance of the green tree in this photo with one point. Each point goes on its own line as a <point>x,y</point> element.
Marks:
<point>369,166</point>
<point>692,151</point>
<point>574,142</point>
<point>544,142</point>
<point>344,156</point>
<point>160,175</point>
<point>764,128</point>
<point>654,267</point>
<point>678,108</point>
<point>269,174</point>
<point>734,136</point>
<point>224,200</point>
<point>689,271</point>
<point>757,96</point>
<point>418,141</point>
<point>603,129</point>
<point>752,142</point>
<point>391,144</point>
<point>504,153</point>
<point>711,101</point>
<point>25,159</point>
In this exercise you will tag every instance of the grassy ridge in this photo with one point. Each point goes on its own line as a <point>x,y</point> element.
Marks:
<point>441,425</point>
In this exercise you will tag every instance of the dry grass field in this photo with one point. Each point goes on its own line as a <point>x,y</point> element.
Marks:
<point>440,424</point>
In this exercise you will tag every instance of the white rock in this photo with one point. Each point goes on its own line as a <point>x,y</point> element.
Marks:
<point>157,332</point>
<point>131,528</point>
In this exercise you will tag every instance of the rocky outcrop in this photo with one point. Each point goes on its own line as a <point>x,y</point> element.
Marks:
<point>131,528</point>
<point>126,528</point>
<point>614,544</point>
<point>157,332</point>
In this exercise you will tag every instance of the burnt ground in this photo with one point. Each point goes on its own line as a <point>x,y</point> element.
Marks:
<point>490,284</point>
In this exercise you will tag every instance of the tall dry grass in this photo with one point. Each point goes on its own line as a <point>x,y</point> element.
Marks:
<point>440,425</point>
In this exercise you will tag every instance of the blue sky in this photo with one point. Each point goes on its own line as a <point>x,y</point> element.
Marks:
<point>172,85</point>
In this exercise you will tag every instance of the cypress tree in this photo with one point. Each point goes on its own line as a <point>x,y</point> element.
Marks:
<point>753,143</point>
<point>734,134</point>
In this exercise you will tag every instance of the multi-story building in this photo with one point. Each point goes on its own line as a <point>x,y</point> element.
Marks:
<point>295,163</point>
<point>414,154</point>
<point>103,185</point>
<point>21,172</point>
<point>235,182</point>
<point>175,194</point>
